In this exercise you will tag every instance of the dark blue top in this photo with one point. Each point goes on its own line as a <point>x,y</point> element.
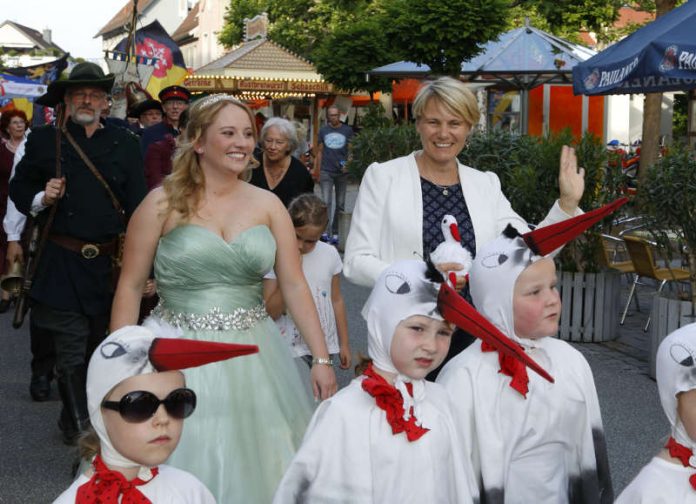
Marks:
<point>435,206</point>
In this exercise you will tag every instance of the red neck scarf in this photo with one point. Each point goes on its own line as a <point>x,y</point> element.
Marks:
<point>389,399</point>
<point>510,366</point>
<point>106,485</point>
<point>681,452</point>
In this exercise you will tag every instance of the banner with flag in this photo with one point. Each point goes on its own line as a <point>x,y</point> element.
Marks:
<point>42,74</point>
<point>153,41</point>
<point>12,86</point>
<point>45,73</point>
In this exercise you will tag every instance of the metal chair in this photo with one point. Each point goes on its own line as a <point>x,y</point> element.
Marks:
<point>640,251</point>
<point>611,247</point>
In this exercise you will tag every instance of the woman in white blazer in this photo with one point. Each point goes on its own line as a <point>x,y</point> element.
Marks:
<point>388,215</point>
<point>400,202</point>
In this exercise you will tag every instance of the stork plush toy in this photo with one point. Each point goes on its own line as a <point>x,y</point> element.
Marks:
<point>451,250</point>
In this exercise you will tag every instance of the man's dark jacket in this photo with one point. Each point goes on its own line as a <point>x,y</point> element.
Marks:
<point>65,280</point>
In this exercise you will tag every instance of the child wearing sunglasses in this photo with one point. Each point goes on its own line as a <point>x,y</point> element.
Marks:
<point>137,402</point>
<point>389,435</point>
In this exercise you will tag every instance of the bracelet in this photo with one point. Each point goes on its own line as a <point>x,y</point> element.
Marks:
<point>322,360</point>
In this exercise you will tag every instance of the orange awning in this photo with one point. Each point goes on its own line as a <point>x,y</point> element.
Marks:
<point>405,90</point>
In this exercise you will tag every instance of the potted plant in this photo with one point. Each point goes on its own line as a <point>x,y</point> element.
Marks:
<point>667,198</point>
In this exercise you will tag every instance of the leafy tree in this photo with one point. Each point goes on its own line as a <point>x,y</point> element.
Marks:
<point>233,31</point>
<point>591,15</point>
<point>352,50</point>
<point>442,34</point>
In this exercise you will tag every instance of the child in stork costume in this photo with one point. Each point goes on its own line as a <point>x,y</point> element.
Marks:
<point>137,403</point>
<point>529,440</point>
<point>389,435</point>
<point>670,477</point>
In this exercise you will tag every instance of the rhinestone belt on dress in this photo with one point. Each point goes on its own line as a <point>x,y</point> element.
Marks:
<point>240,319</point>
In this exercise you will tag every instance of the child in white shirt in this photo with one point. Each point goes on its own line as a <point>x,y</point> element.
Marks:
<point>322,267</point>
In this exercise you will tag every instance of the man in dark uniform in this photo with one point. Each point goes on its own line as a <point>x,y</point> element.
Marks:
<point>174,99</point>
<point>72,289</point>
<point>148,113</point>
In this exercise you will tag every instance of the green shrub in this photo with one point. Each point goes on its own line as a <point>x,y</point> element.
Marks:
<point>381,144</point>
<point>667,198</point>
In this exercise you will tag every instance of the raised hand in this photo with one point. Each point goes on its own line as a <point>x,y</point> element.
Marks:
<point>571,181</point>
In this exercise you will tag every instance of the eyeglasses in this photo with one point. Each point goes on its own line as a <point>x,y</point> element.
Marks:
<point>82,95</point>
<point>139,406</point>
<point>269,142</point>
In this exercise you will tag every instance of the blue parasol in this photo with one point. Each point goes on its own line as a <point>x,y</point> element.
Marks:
<point>659,57</point>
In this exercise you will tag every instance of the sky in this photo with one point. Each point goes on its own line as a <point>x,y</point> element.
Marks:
<point>73,22</point>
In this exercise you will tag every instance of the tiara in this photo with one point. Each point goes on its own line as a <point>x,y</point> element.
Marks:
<point>214,98</point>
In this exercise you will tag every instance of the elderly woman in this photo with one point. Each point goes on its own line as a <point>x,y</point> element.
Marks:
<point>400,203</point>
<point>278,171</point>
<point>13,128</point>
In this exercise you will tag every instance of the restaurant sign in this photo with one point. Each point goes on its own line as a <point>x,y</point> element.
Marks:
<point>217,84</point>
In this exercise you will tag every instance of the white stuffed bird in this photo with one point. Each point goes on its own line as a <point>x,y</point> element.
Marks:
<point>451,250</point>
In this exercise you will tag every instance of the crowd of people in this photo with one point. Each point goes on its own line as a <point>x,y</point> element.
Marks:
<point>230,239</point>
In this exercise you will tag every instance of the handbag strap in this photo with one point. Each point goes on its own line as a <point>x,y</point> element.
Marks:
<point>95,172</point>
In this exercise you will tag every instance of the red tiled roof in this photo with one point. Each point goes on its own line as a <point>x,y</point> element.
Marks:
<point>123,16</point>
<point>587,39</point>
<point>629,15</point>
<point>260,54</point>
<point>188,24</point>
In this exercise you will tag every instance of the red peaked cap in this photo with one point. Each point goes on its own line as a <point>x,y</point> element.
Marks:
<point>455,309</point>
<point>168,354</point>
<point>544,240</point>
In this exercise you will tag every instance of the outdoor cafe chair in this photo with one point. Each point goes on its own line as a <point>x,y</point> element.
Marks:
<point>641,252</point>
<point>612,246</point>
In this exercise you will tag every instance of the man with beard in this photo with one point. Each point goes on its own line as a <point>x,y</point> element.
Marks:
<point>72,287</point>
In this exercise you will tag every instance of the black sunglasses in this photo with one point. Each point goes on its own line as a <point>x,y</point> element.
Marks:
<point>139,406</point>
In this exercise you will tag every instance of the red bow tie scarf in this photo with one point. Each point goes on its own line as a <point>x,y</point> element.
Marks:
<point>684,455</point>
<point>106,486</point>
<point>389,399</point>
<point>510,366</point>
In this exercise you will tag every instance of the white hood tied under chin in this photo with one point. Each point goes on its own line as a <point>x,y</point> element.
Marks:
<point>676,373</point>
<point>401,291</point>
<point>136,350</point>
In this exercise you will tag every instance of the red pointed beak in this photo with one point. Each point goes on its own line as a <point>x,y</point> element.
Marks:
<point>454,229</point>
<point>456,310</point>
<point>167,354</point>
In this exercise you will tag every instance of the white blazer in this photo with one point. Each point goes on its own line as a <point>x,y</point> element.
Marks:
<point>387,223</point>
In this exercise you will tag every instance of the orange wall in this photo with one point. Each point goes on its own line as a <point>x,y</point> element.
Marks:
<point>565,111</point>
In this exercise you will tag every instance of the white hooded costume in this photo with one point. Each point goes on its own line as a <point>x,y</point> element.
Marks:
<point>663,481</point>
<point>547,448</point>
<point>350,454</point>
<point>127,352</point>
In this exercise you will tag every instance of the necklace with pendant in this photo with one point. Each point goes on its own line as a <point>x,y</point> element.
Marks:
<point>445,189</point>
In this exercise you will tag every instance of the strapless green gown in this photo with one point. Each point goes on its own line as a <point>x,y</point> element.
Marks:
<point>253,410</point>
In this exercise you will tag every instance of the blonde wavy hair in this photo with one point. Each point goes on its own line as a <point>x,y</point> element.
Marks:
<point>183,188</point>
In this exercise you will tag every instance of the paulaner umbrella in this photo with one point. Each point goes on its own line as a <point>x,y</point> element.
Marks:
<point>659,57</point>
